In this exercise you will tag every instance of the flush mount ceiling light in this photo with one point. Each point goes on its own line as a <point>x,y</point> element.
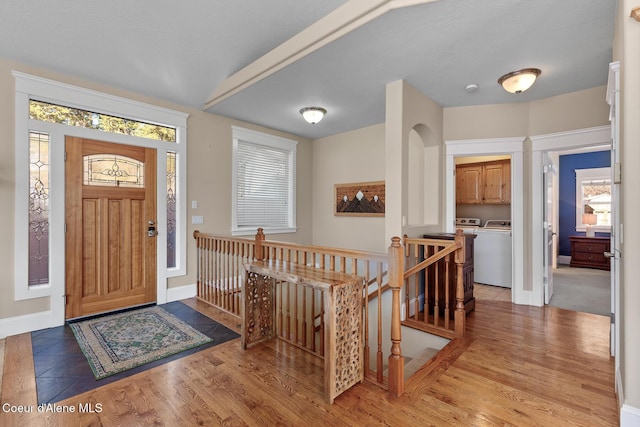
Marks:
<point>313,114</point>
<point>519,81</point>
<point>471,87</point>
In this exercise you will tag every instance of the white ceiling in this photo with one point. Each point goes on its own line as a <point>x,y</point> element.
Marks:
<point>181,51</point>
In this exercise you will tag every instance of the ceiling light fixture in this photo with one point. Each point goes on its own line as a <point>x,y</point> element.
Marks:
<point>519,81</point>
<point>313,114</point>
<point>471,87</point>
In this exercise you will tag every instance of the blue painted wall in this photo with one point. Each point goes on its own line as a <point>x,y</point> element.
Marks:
<point>567,193</point>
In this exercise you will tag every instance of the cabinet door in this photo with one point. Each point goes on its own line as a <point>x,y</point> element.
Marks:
<point>506,176</point>
<point>495,184</point>
<point>469,184</point>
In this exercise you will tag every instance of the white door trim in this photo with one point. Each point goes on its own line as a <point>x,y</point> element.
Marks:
<point>514,147</point>
<point>27,87</point>
<point>558,142</point>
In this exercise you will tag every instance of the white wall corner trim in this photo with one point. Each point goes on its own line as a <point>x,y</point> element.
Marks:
<point>26,323</point>
<point>527,298</point>
<point>470,147</point>
<point>571,140</point>
<point>181,292</point>
<point>629,416</point>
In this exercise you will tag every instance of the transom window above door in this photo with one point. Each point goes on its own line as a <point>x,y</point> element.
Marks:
<point>48,112</point>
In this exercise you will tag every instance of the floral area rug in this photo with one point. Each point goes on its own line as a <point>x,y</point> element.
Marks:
<point>123,341</point>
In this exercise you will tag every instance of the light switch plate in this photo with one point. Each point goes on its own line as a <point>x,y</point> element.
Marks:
<point>197,219</point>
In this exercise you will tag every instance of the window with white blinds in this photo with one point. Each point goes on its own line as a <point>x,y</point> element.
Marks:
<point>264,182</point>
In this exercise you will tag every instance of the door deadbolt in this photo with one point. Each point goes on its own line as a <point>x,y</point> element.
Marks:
<point>151,230</point>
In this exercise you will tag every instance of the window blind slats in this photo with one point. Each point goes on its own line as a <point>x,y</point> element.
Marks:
<point>264,186</point>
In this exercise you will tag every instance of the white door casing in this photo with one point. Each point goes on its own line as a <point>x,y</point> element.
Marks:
<point>495,146</point>
<point>33,87</point>
<point>548,226</point>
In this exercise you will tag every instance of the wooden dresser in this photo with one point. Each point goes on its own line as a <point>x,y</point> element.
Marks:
<point>467,274</point>
<point>589,252</point>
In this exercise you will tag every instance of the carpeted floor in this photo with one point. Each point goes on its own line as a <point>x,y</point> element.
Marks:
<point>582,289</point>
<point>62,369</point>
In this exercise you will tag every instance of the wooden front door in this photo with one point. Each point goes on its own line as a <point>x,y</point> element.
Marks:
<point>110,208</point>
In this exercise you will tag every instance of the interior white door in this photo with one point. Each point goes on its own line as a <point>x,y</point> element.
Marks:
<point>613,98</point>
<point>548,230</point>
<point>614,253</point>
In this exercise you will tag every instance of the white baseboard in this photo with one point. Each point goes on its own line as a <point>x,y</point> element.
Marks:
<point>629,416</point>
<point>527,298</point>
<point>564,259</point>
<point>181,292</point>
<point>618,385</point>
<point>33,322</point>
<point>26,323</point>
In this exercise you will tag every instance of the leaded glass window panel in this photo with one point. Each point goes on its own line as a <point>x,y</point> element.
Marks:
<point>171,209</point>
<point>110,170</point>
<point>38,208</point>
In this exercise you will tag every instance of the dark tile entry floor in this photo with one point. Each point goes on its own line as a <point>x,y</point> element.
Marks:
<point>62,370</point>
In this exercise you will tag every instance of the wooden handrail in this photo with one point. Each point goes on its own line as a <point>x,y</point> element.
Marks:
<point>451,247</point>
<point>441,293</point>
<point>220,278</point>
<point>339,252</point>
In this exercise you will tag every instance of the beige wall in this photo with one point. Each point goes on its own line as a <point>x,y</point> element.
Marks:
<point>356,156</point>
<point>486,121</point>
<point>335,157</point>
<point>626,51</point>
<point>407,111</point>
<point>576,110</point>
<point>208,180</point>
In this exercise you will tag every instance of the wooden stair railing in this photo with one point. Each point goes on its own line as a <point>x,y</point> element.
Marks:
<point>426,261</point>
<point>220,276</point>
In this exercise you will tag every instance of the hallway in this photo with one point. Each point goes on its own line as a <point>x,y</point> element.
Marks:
<point>582,289</point>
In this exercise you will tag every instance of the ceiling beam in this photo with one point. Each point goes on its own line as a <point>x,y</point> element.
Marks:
<point>348,17</point>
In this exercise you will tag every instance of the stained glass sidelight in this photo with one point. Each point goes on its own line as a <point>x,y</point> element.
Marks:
<point>171,209</point>
<point>38,208</point>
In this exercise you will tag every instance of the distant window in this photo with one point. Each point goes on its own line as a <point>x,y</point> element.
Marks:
<point>593,196</point>
<point>70,116</point>
<point>263,183</point>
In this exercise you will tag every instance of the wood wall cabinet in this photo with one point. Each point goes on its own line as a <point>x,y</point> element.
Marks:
<point>589,252</point>
<point>484,183</point>
<point>469,184</point>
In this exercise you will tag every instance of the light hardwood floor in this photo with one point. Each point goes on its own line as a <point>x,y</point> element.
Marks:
<point>518,365</point>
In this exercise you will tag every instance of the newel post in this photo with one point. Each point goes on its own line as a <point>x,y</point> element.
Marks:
<point>460,315</point>
<point>396,278</point>
<point>259,250</point>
